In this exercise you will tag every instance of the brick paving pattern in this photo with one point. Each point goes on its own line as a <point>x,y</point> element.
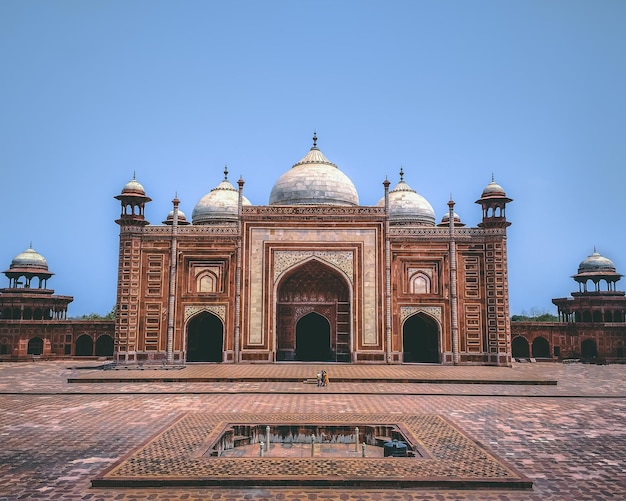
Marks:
<point>173,457</point>
<point>568,439</point>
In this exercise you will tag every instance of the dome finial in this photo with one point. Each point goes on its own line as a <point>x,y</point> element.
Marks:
<point>314,140</point>
<point>401,174</point>
<point>225,172</point>
<point>134,178</point>
<point>493,180</point>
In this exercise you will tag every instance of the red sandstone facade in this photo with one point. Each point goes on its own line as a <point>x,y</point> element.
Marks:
<point>312,276</point>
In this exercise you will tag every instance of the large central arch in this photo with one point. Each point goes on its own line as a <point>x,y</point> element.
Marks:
<point>313,314</point>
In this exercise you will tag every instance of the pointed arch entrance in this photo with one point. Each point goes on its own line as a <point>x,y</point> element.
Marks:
<point>205,338</point>
<point>104,346</point>
<point>313,314</point>
<point>520,347</point>
<point>313,338</point>
<point>35,346</point>
<point>84,346</point>
<point>589,349</point>
<point>420,339</point>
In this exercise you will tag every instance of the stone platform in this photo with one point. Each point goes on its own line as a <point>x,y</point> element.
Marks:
<point>305,372</point>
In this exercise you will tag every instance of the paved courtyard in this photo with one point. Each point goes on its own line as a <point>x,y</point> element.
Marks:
<point>569,439</point>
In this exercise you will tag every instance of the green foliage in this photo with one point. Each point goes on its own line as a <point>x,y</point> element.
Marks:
<point>544,317</point>
<point>97,316</point>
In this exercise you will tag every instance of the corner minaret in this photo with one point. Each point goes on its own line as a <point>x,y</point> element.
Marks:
<point>133,199</point>
<point>493,201</point>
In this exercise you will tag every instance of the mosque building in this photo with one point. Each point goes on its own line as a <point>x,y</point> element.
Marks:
<point>312,276</point>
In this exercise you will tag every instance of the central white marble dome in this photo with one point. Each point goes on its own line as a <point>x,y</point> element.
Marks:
<point>314,180</point>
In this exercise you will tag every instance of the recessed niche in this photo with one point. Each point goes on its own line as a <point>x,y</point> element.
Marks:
<point>312,439</point>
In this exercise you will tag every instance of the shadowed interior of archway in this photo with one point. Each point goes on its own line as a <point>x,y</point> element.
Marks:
<point>205,334</point>
<point>313,338</point>
<point>420,339</point>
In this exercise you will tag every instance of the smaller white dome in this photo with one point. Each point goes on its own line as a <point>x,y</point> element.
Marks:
<point>133,187</point>
<point>219,205</point>
<point>407,206</point>
<point>182,219</point>
<point>596,263</point>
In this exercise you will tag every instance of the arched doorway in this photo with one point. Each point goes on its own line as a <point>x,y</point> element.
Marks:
<point>84,346</point>
<point>420,339</point>
<point>520,347</point>
<point>104,346</point>
<point>205,338</point>
<point>541,348</point>
<point>35,346</point>
<point>313,314</point>
<point>313,338</point>
<point>588,349</point>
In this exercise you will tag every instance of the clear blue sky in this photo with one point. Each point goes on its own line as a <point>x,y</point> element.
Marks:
<point>531,91</point>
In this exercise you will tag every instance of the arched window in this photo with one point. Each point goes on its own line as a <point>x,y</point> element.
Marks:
<point>35,346</point>
<point>586,316</point>
<point>84,346</point>
<point>206,282</point>
<point>608,316</point>
<point>597,316</point>
<point>520,348</point>
<point>104,346</point>
<point>541,348</point>
<point>419,284</point>
<point>589,349</point>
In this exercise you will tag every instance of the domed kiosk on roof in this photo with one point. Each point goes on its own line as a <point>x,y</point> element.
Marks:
<point>406,206</point>
<point>314,180</point>
<point>219,205</point>
<point>596,268</point>
<point>493,201</point>
<point>25,267</point>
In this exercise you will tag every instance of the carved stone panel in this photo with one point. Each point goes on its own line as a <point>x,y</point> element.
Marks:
<point>343,260</point>
<point>219,310</point>
<point>433,311</point>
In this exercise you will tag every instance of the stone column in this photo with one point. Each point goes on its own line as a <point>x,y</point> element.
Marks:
<point>454,315</point>
<point>236,340</point>
<point>386,184</point>
<point>169,354</point>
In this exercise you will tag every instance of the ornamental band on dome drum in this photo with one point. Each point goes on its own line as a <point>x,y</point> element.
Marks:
<point>313,276</point>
